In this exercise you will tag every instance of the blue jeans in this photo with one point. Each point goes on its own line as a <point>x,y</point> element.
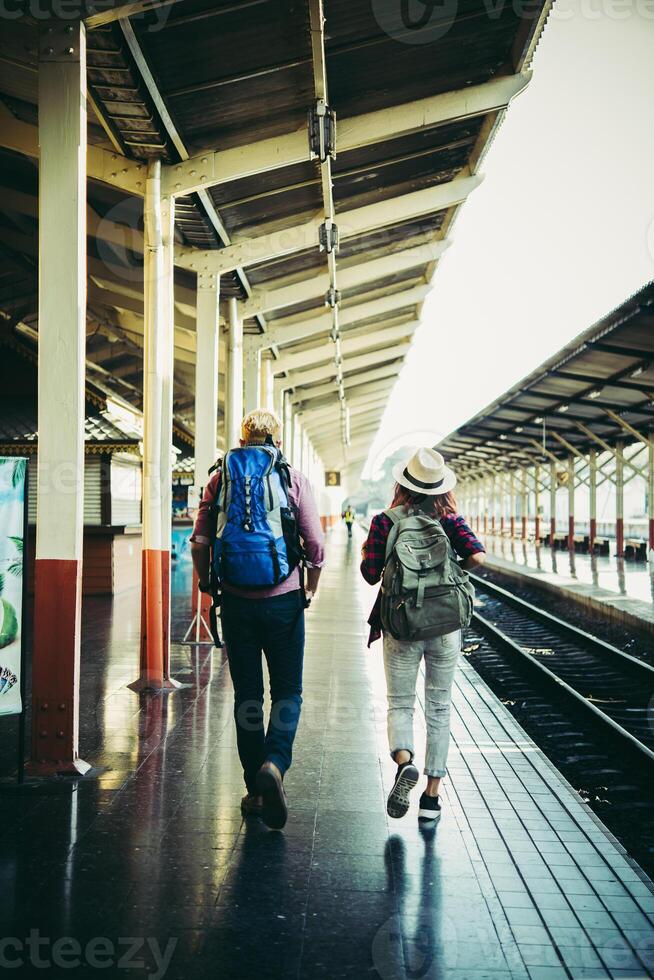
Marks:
<point>274,626</point>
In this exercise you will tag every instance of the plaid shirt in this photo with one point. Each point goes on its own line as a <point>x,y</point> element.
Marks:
<point>462,538</point>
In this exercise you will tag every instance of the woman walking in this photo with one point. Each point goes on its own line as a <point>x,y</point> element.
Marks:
<point>424,603</point>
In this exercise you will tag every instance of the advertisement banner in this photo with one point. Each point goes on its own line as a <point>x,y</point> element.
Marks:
<point>12,510</point>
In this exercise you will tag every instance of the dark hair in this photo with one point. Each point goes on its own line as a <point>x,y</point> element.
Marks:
<point>436,505</point>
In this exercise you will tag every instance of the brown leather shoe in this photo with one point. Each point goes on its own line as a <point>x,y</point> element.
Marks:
<point>251,805</point>
<point>269,784</point>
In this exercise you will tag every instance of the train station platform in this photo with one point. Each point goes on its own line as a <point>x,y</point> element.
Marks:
<point>621,590</point>
<point>519,880</point>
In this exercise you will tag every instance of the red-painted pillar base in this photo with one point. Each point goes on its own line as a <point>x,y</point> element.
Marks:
<point>493,524</point>
<point>619,537</point>
<point>571,533</point>
<point>485,523</point>
<point>501,525</point>
<point>55,668</point>
<point>537,529</point>
<point>592,534</point>
<point>524,529</point>
<point>651,532</point>
<point>155,623</point>
<point>552,530</point>
<point>513,527</point>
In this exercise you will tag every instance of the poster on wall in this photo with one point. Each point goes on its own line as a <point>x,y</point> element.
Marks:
<point>12,510</point>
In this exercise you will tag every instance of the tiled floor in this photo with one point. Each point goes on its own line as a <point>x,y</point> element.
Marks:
<point>518,881</point>
<point>626,588</point>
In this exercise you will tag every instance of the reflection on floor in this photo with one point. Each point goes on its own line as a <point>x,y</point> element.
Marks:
<point>518,881</point>
<point>622,585</point>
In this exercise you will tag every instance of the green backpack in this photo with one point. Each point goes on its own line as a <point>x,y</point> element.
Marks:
<point>425,592</point>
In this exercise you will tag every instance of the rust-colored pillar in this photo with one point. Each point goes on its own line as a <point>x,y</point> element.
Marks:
<point>619,499</point>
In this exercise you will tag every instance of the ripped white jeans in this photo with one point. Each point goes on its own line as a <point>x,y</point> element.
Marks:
<point>401,662</point>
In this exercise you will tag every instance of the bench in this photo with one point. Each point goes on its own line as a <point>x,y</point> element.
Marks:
<point>601,546</point>
<point>581,543</point>
<point>635,549</point>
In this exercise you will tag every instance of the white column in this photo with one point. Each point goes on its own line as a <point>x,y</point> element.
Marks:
<point>287,432</point>
<point>206,376</point>
<point>252,372</point>
<point>267,398</point>
<point>158,355</point>
<point>62,341</point>
<point>297,442</point>
<point>234,405</point>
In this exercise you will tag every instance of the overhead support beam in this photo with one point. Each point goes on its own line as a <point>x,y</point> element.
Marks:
<point>264,300</point>
<point>218,167</point>
<point>101,12</point>
<point>359,221</point>
<point>103,165</point>
<point>361,384</point>
<point>352,364</point>
<point>289,331</point>
<point>303,359</point>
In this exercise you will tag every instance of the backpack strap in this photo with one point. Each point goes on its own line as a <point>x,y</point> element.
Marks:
<point>395,515</point>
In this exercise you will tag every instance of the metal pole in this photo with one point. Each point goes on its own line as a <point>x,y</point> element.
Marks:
<point>650,490</point>
<point>552,502</point>
<point>252,371</point>
<point>592,499</point>
<point>493,502</point>
<point>571,502</point>
<point>268,383</point>
<point>537,503</point>
<point>619,499</point>
<point>235,374</point>
<point>62,342</point>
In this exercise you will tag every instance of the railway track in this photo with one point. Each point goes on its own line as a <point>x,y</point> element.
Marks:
<point>612,688</point>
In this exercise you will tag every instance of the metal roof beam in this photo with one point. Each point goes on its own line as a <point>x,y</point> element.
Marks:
<point>353,345</point>
<point>369,359</point>
<point>358,221</point>
<point>264,300</point>
<point>217,167</point>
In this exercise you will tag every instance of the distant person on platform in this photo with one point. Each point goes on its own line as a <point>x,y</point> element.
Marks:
<point>256,531</point>
<point>349,517</point>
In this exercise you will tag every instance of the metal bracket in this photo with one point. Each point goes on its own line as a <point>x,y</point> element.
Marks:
<point>59,41</point>
<point>332,297</point>
<point>322,131</point>
<point>328,237</point>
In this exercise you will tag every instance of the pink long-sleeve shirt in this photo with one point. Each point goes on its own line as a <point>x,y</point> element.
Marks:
<point>301,499</point>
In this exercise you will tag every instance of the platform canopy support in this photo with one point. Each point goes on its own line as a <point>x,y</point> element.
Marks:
<point>62,342</point>
<point>592,499</point>
<point>252,374</point>
<point>234,406</point>
<point>650,490</point>
<point>553,488</point>
<point>619,499</point>
<point>537,503</point>
<point>158,350</point>
<point>571,502</point>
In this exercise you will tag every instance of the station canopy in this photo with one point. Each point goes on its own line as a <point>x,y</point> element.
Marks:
<point>220,91</point>
<point>596,391</point>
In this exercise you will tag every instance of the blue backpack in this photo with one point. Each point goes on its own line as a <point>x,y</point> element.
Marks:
<point>257,543</point>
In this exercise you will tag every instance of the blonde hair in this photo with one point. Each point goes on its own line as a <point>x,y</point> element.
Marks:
<point>259,424</point>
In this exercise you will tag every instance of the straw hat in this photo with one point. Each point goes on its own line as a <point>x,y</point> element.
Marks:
<point>426,473</point>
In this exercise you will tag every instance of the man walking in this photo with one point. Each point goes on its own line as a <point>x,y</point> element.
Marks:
<point>256,525</point>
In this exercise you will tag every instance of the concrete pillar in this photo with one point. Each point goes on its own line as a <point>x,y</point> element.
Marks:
<point>206,376</point>
<point>158,341</point>
<point>493,502</point>
<point>62,341</point>
<point>537,502</point>
<point>252,374</point>
<point>512,503</point>
<point>619,499</point>
<point>234,404</point>
<point>524,507</point>
<point>297,442</point>
<point>207,339</point>
<point>267,398</point>
<point>287,431</point>
<point>571,502</point>
<point>553,486</point>
<point>592,498</point>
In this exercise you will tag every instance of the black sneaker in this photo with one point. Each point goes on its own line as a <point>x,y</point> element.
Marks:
<point>429,808</point>
<point>398,799</point>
